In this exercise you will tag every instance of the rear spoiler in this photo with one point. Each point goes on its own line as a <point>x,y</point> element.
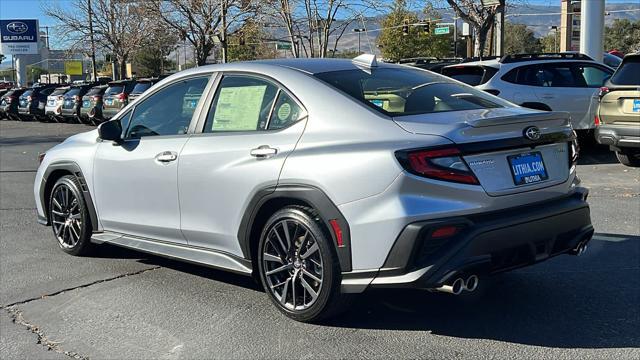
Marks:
<point>522,118</point>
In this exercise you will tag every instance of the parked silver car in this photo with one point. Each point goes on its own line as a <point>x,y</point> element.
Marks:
<point>322,177</point>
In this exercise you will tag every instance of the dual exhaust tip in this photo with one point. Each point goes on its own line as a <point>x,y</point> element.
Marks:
<point>459,285</point>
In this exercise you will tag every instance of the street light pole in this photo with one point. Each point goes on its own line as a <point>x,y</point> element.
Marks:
<point>94,73</point>
<point>358,31</point>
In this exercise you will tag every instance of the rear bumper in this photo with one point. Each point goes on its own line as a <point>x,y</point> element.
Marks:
<point>109,113</point>
<point>618,136</point>
<point>485,244</point>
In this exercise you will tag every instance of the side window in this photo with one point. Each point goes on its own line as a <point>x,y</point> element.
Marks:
<point>285,113</point>
<point>591,76</point>
<point>242,103</point>
<point>168,111</point>
<point>529,75</point>
<point>558,75</point>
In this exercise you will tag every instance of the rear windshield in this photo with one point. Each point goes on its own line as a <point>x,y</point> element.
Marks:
<point>141,87</point>
<point>59,92</point>
<point>470,75</point>
<point>398,92</point>
<point>115,89</point>
<point>27,93</point>
<point>96,91</point>
<point>628,73</point>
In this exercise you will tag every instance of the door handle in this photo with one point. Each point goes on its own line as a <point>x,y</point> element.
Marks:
<point>263,151</point>
<point>167,156</point>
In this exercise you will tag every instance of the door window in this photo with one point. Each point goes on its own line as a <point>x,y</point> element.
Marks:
<point>242,103</point>
<point>168,111</point>
<point>591,76</point>
<point>557,75</point>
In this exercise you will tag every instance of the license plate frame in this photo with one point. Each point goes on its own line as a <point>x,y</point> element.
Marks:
<point>528,161</point>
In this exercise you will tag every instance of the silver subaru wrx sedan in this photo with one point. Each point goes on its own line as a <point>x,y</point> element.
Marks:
<point>322,178</point>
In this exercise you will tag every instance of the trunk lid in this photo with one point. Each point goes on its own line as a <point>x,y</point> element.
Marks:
<point>495,147</point>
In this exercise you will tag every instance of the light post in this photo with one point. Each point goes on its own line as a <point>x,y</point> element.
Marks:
<point>555,37</point>
<point>358,31</point>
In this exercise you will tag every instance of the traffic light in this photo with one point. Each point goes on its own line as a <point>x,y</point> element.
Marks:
<point>426,28</point>
<point>405,27</point>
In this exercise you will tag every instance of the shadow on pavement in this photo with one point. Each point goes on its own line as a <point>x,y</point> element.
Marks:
<point>592,304</point>
<point>30,140</point>
<point>594,154</point>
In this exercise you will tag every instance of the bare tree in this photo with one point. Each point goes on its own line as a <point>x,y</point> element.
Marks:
<point>202,22</point>
<point>119,26</point>
<point>317,25</point>
<point>479,17</point>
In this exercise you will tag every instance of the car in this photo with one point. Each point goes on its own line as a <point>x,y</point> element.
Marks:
<point>72,101</point>
<point>430,63</point>
<point>116,97</point>
<point>9,103</point>
<point>322,178</point>
<point>618,116</point>
<point>32,102</point>
<point>91,110</point>
<point>141,86</point>
<point>560,82</point>
<point>53,108</point>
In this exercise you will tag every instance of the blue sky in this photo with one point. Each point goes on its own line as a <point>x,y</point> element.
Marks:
<point>31,9</point>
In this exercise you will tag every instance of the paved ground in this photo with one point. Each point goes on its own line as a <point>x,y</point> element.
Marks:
<point>123,304</point>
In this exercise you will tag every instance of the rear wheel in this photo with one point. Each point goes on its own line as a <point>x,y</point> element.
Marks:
<point>298,267</point>
<point>69,217</point>
<point>629,157</point>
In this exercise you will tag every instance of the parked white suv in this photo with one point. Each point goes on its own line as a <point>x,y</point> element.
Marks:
<point>559,82</point>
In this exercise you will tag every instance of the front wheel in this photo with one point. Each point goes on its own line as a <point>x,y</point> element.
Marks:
<point>70,219</point>
<point>298,267</point>
<point>629,157</point>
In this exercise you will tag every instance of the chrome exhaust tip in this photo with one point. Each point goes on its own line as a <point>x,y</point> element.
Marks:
<point>580,249</point>
<point>471,284</point>
<point>455,288</point>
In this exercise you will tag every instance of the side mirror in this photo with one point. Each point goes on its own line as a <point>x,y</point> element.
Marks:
<point>111,130</point>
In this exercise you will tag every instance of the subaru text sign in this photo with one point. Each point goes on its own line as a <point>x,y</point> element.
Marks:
<point>19,37</point>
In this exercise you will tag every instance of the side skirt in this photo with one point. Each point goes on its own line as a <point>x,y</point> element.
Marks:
<point>191,254</point>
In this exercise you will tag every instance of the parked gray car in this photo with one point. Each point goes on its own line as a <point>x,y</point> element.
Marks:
<point>322,178</point>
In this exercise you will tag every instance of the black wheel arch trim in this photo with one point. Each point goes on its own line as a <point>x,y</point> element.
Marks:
<point>316,198</point>
<point>73,168</point>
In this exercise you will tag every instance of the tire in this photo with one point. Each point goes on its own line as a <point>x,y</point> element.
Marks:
<point>316,273</point>
<point>69,217</point>
<point>629,157</point>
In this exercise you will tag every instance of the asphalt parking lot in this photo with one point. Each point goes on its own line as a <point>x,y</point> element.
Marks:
<point>123,304</point>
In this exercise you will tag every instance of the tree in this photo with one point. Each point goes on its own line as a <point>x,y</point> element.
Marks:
<point>624,35</point>
<point>34,72</point>
<point>551,42</point>
<point>315,27</point>
<point>395,45</point>
<point>203,22</point>
<point>520,40</point>
<point>479,17</point>
<point>247,43</point>
<point>151,58</point>
<point>119,26</point>
<point>2,57</point>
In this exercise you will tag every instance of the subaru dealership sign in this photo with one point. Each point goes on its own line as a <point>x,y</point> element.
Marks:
<point>18,37</point>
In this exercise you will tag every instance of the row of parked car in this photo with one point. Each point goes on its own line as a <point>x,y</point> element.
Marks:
<point>88,103</point>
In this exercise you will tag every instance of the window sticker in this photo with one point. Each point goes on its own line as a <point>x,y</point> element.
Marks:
<point>284,111</point>
<point>238,108</point>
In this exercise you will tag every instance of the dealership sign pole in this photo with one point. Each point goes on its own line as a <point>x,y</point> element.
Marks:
<point>19,37</point>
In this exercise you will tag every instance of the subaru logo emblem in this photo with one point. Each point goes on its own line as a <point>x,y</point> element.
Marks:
<point>532,133</point>
<point>17,27</point>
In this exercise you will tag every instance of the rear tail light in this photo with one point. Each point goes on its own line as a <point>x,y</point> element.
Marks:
<point>574,151</point>
<point>603,91</point>
<point>29,98</point>
<point>95,98</point>
<point>10,99</point>
<point>444,164</point>
<point>60,97</point>
<point>76,98</point>
<point>596,121</point>
<point>122,96</point>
